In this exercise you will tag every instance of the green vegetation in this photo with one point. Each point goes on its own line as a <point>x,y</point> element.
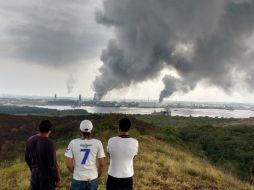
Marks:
<point>231,147</point>
<point>16,110</point>
<point>159,166</point>
<point>228,143</point>
<point>180,121</point>
<point>177,153</point>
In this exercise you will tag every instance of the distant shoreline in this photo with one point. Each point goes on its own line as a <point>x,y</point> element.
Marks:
<point>65,110</point>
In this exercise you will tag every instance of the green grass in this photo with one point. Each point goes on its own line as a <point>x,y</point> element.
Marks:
<point>227,143</point>
<point>158,166</point>
<point>181,154</point>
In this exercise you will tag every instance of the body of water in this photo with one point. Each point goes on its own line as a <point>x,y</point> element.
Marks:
<point>174,111</point>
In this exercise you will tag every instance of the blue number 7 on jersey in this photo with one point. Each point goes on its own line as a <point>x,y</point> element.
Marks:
<point>87,151</point>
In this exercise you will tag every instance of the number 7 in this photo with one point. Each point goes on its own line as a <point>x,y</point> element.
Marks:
<point>87,151</point>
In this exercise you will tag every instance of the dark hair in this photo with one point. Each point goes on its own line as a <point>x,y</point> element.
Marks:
<point>45,126</point>
<point>85,134</point>
<point>124,124</point>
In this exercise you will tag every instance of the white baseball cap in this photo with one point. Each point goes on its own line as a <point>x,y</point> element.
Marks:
<point>86,126</point>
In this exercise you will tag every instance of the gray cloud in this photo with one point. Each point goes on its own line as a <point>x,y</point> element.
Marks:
<point>149,35</point>
<point>53,32</point>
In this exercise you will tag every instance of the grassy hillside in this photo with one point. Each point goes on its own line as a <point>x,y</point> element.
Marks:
<point>159,166</point>
<point>15,130</point>
<point>228,143</point>
<point>165,161</point>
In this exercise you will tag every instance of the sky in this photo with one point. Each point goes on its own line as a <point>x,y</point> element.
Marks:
<point>195,50</point>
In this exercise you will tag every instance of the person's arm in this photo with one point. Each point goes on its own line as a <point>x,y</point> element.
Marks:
<point>69,158</point>
<point>136,152</point>
<point>28,158</point>
<point>101,166</point>
<point>100,158</point>
<point>137,148</point>
<point>108,151</point>
<point>53,164</point>
<point>69,164</point>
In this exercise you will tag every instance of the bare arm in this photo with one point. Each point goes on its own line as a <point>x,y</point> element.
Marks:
<point>101,166</point>
<point>69,164</point>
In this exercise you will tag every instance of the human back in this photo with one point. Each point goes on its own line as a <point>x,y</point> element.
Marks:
<point>40,156</point>
<point>85,153</point>
<point>122,150</point>
<point>38,148</point>
<point>82,155</point>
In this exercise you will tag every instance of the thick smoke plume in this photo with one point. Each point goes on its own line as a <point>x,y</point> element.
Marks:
<point>202,40</point>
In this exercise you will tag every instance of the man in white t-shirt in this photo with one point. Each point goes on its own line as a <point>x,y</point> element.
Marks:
<point>82,156</point>
<point>122,149</point>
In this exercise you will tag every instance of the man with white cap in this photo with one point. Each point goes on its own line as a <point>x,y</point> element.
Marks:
<point>82,156</point>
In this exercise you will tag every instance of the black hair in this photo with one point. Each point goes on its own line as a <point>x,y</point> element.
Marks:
<point>45,126</point>
<point>85,134</point>
<point>124,124</point>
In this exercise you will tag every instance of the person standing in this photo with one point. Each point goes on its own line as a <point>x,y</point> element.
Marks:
<point>40,156</point>
<point>122,149</point>
<point>82,154</point>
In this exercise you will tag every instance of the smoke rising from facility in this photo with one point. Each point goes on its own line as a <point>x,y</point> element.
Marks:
<point>202,40</point>
<point>70,83</point>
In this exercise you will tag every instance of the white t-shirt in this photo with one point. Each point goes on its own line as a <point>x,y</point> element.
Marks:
<point>122,151</point>
<point>85,154</point>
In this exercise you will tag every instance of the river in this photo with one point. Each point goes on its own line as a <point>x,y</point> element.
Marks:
<point>174,111</point>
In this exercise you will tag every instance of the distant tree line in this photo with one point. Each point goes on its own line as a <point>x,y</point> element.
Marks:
<point>26,110</point>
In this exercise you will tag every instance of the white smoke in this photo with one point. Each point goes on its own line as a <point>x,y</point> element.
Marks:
<point>70,83</point>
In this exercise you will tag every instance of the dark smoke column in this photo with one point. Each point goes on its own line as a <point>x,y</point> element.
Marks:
<point>171,85</point>
<point>202,40</point>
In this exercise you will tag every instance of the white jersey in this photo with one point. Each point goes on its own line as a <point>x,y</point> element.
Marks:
<point>122,151</point>
<point>85,154</point>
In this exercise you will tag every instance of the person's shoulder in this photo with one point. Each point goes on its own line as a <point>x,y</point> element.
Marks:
<point>74,141</point>
<point>97,141</point>
<point>32,137</point>
<point>49,141</point>
<point>31,140</point>
<point>134,140</point>
<point>44,141</point>
<point>113,138</point>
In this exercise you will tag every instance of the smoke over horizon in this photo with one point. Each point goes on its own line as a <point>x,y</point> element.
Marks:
<point>70,83</point>
<point>201,40</point>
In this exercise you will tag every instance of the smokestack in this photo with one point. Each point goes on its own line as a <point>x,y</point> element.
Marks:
<point>80,100</point>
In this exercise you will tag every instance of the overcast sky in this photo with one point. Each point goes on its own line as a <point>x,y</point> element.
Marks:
<point>60,46</point>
